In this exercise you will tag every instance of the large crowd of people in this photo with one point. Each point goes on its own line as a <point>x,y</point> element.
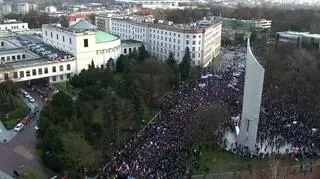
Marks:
<point>159,151</point>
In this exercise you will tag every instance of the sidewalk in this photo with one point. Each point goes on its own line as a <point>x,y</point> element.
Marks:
<point>4,175</point>
<point>6,134</point>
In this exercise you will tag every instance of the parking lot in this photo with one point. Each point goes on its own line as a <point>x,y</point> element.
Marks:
<point>20,150</point>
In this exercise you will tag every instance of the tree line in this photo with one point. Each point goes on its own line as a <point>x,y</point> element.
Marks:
<point>113,103</point>
<point>282,19</point>
<point>292,71</point>
<point>35,19</point>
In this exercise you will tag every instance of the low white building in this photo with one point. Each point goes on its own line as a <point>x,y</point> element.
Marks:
<point>51,9</point>
<point>203,38</point>
<point>60,53</point>
<point>261,24</point>
<point>160,5</point>
<point>299,38</point>
<point>13,25</point>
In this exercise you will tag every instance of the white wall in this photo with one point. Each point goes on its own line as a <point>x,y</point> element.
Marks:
<point>98,52</point>
<point>14,26</point>
<point>159,42</point>
<point>48,65</point>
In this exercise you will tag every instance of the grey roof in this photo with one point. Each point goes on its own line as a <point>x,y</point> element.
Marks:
<point>83,25</point>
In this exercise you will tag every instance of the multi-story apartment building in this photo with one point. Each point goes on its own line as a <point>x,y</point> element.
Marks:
<point>202,38</point>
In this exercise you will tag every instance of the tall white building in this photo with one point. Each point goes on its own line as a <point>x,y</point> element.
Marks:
<point>203,38</point>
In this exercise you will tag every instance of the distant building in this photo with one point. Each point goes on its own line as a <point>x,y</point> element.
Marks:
<point>51,9</point>
<point>299,38</point>
<point>248,25</point>
<point>260,24</point>
<point>6,8</point>
<point>33,7</point>
<point>22,8</point>
<point>160,38</point>
<point>159,5</point>
<point>13,25</point>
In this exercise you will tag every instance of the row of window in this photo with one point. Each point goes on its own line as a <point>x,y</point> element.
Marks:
<point>139,29</point>
<point>11,27</point>
<point>13,57</point>
<point>126,36</point>
<point>136,29</point>
<point>126,30</point>
<point>40,71</point>
<point>106,51</point>
<point>193,49</point>
<point>54,78</point>
<point>57,36</point>
<point>125,51</point>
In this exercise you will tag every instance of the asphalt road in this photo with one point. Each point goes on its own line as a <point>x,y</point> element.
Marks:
<point>20,151</point>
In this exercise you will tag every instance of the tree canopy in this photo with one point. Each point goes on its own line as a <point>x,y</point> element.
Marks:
<point>111,104</point>
<point>185,65</point>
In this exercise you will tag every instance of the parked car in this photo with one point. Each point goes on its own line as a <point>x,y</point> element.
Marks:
<point>18,127</point>
<point>27,96</point>
<point>31,100</point>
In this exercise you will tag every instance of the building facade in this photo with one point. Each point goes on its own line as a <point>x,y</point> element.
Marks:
<point>203,39</point>
<point>299,38</point>
<point>83,42</point>
<point>13,25</point>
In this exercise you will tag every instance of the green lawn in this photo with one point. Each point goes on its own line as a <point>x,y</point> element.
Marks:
<point>221,160</point>
<point>15,116</point>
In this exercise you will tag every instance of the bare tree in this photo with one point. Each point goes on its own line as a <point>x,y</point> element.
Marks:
<point>274,165</point>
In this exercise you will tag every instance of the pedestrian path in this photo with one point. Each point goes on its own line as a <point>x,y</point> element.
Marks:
<point>6,134</point>
<point>4,175</point>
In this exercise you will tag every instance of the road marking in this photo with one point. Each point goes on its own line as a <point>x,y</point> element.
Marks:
<point>21,150</point>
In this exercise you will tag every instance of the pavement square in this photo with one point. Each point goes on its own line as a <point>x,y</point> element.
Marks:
<point>21,150</point>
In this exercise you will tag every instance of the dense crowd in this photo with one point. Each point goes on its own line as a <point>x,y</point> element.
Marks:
<point>159,151</point>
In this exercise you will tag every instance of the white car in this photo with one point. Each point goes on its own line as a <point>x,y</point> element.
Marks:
<point>36,128</point>
<point>31,100</point>
<point>18,127</point>
<point>27,96</point>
